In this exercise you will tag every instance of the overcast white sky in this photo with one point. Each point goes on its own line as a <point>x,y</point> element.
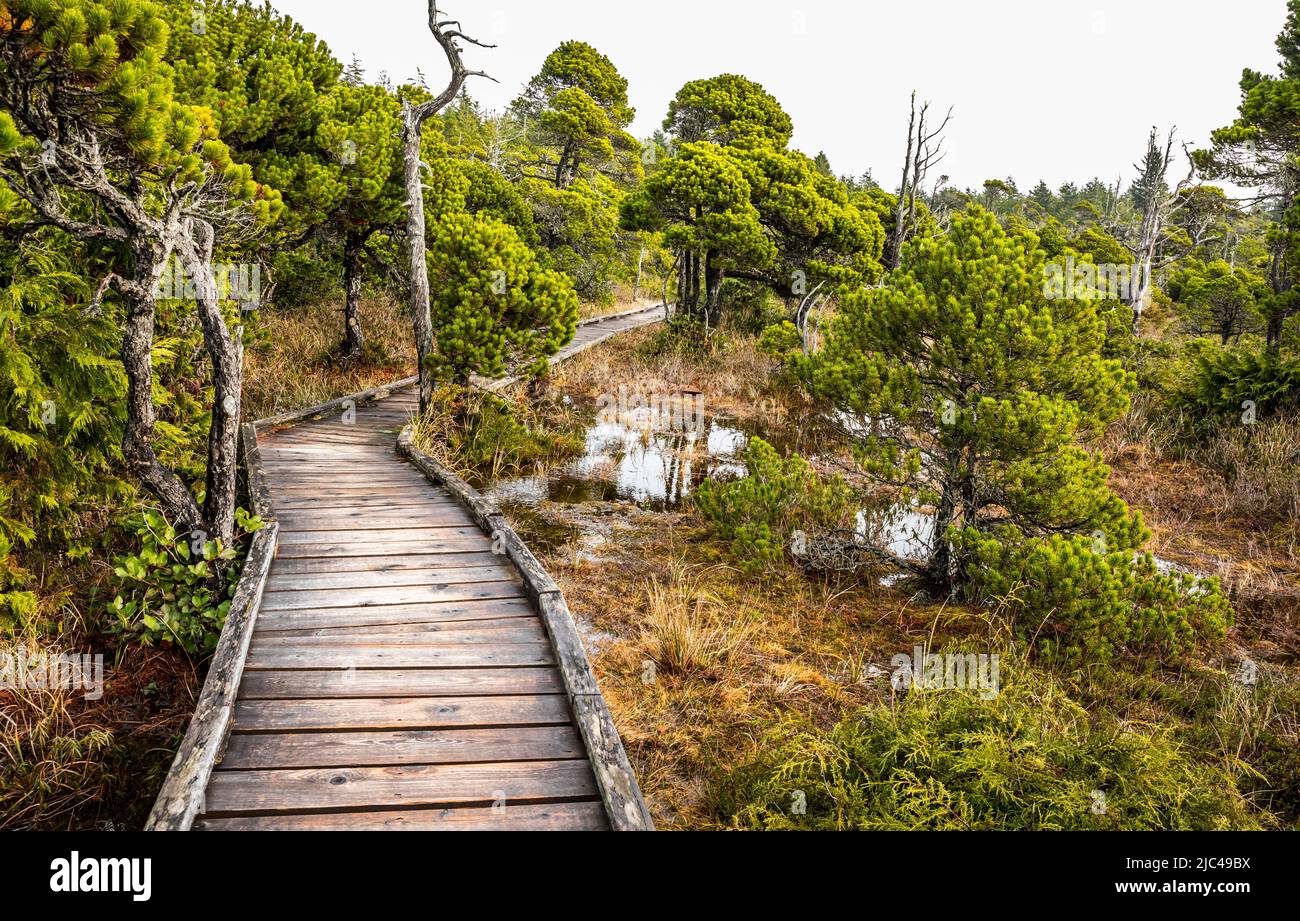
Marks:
<point>1051,89</point>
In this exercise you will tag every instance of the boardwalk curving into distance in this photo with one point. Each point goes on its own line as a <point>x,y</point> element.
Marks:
<point>403,672</point>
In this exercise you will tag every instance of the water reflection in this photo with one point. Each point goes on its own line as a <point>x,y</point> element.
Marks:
<point>656,470</point>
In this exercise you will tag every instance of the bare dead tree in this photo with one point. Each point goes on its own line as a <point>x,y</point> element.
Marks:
<point>448,34</point>
<point>806,308</point>
<point>1159,205</point>
<point>924,152</point>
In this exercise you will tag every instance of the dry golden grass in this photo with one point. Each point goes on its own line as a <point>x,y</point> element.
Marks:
<point>296,363</point>
<point>1229,507</point>
<point>685,629</point>
<point>698,662</point>
<point>71,763</point>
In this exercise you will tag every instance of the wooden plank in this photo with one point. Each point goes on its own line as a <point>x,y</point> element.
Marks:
<point>400,713</point>
<point>381,749</point>
<point>359,497</point>
<point>362,513</point>
<point>286,582</point>
<point>366,438</point>
<point>328,520</point>
<point>416,511</point>
<point>292,483</point>
<point>401,594</point>
<point>397,614</point>
<point>252,792</point>
<point>466,634</point>
<point>407,683</point>
<point>335,454</point>
<point>329,489</point>
<point>579,816</point>
<point>426,560</point>
<point>391,549</point>
<point>292,536</point>
<point>456,626</point>
<point>308,657</point>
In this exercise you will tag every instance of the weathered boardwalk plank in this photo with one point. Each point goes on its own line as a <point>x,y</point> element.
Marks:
<point>405,669</point>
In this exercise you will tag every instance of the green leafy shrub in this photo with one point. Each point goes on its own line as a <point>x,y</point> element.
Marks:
<point>174,591</point>
<point>760,513</point>
<point>1077,602</point>
<point>1227,381</point>
<point>1029,759</point>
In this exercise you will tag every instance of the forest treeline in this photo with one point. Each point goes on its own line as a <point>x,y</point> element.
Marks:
<point>172,174</point>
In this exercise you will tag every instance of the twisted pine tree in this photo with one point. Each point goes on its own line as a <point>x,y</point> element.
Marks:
<point>578,106</point>
<point>971,390</point>
<point>121,163</point>
<point>782,223</point>
<point>968,388</point>
<point>496,310</point>
<point>701,200</point>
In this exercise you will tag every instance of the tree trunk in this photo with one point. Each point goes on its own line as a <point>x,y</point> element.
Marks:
<point>421,317</point>
<point>636,289</point>
<point>137,359</point>
<point>225,351</point>
<point>353,339</point>
<point>1274,335</point>
<point>1281,283</point>
<point>683,268</point>
<point>713,277</point>
<point>939,574</point>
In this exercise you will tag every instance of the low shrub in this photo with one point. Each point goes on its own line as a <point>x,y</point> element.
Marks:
<point>686,337</point>
<point>1029,759</point>
<point>1076,602</point>
<point>1249,382</point>
<point>175,591</point>
<point>760,513</point>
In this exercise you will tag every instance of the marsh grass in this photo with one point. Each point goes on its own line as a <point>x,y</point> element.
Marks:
<point>71,763</point>
<point>1031,759</point>
<point>484,437</point>
<point>296,361</point>
<point>686,629</point>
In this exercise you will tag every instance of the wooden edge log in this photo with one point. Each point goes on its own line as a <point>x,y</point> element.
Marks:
<point>615,778</point>
<point>259,491</point>
<point>334,407</point>
<point>483,509</point>
<point>181,798</point>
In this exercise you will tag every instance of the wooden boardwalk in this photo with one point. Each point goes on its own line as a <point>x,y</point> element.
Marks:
<point>399,674</point>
